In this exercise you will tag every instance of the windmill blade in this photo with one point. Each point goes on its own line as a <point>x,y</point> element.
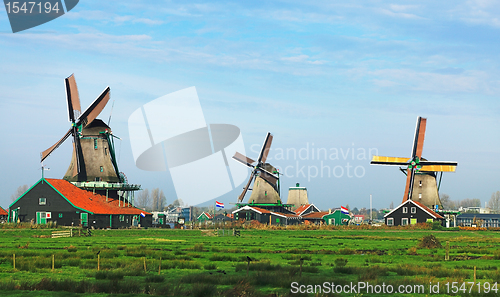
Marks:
<point>78,152</point>
<point>75,161</point>
<point>243,159</point>
<point>438,168</point>
<point>265,148</point>
<point>418,141</point>
<point>242,195</point>
<point>396,161</point>
<point>48,151</point>
<point>94,109</point>
<point>268,173</point>
<point>73,98</point>
<point>444,163</point>
<point>409,184</point>
<point>270,178</point>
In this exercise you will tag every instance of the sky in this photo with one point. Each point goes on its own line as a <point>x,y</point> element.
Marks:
<point>346,77</point>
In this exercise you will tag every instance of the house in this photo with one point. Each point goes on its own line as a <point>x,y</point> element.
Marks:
<point>266,216</point>
<point>305,209</point>
<point>204,216</point>
<point>337,218</point>
<point>61,202</point>
<point>358,219</point>
<point>478,220</point>
<point>411,212</point>
<point>3,216</point>
<point>314,217</point>
<point>219,218</point>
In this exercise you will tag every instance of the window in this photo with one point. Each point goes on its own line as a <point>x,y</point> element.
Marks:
<point>95,144</point>
<point>404,221</point>
<point>419,195</point>
<point>122,218</point>
<point>405,209</point>
<point>390,221</point>
<point>413,210</point>
<point>420,183</point>
<point>42,201</point>
<point>277,220</point>
<point>60,215</point>
<point>102,169</point>
<point>429,221</point>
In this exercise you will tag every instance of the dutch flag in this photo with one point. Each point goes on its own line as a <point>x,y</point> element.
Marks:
<point>219,204</point>
<point>143,215</point>
<point>344,210</point>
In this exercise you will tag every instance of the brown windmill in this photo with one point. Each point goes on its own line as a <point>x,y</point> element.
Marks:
<point>93,156</point>
<point>266,184</point>
<point>420,173</point>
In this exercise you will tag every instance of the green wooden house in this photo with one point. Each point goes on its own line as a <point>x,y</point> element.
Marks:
<point>204,217</point>
<point>337,217</point>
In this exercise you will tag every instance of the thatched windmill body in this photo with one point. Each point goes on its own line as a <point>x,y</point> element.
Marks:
<point>266,185</point>
<point>421,182</point>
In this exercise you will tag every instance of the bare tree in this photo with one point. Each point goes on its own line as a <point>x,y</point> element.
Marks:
<point>494,202</point>
<point>447,202</point>
<point>143,199</point>
<point>20,190</point>
<point>474,202</point>
<point>158,198</point>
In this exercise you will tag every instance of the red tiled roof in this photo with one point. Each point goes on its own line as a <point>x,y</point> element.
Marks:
<point>427,209</point>
<point>302,208</point>
<point>93,203</point>
<point>261,210</point>
<point>3,212</point>
<point>288,215</point>
<point>315,215</point>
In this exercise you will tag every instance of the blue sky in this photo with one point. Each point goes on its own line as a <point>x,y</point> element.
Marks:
<point>339,76</point>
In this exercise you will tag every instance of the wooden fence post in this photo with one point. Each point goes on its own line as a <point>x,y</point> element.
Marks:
<point>474,274</point>
<point>14,261</point>
<point>159,267</point>
<point>53,260</point>
<point>144,264</point>
<point>447,255</point>
<point>98,262</point>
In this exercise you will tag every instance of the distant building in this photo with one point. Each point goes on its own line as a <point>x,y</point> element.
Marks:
<point>475,209</point>
<point>478,220</point>
<point>61,202</point>
<point>411,212</point>
<point>315,217</point>
<point>358,219</point>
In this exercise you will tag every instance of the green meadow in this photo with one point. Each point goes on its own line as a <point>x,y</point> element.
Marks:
<point>283,262</point>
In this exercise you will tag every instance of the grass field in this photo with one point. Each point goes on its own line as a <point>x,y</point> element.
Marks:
<point>197,263</point>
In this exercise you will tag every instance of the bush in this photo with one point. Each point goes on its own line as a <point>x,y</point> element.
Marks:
<point>430,242</point>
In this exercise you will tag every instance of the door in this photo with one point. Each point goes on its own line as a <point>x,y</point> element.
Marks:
<point>84,217</point>
<point>41,217</point>
<point>413,221</point>
<point>15,215</point>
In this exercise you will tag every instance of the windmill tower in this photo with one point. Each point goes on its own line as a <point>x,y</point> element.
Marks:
<point>421,184</point>
<point>266,185</point>
<point>297,196</point>
<point>93,164</point>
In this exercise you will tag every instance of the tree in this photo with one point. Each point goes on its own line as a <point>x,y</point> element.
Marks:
<point>474,202</point>
<point>447,202</point>
<point>143,199</point>
<point>494,202</point>
<point>20,190</point>
<point>159,199</point>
